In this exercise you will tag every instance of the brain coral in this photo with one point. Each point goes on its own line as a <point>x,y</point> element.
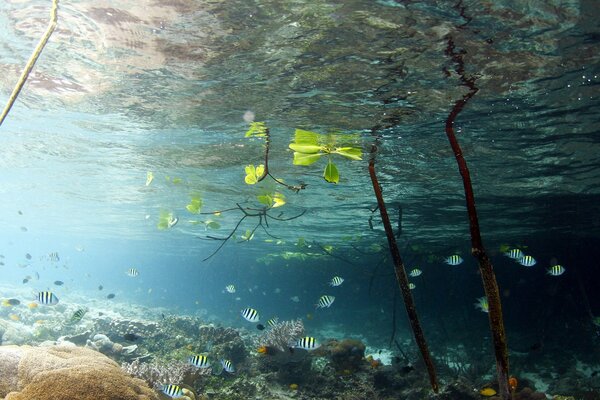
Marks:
<point>66,373</point>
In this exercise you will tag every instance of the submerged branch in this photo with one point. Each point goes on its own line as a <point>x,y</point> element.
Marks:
<point>402,277</point>
<point>490,284</point>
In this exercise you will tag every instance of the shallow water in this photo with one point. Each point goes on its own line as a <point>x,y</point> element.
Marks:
<point>162,87</point>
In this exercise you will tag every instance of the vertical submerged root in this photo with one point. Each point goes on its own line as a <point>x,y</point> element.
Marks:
<point>402,278</point>
<point>32,60</point>
<point>485,266</point>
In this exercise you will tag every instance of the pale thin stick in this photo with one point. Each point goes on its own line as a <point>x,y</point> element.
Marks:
<point>31,62</point>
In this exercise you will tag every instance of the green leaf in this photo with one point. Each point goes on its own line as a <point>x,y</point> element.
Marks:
<point>177,181</point>
<point>195,205</point>
<point>306,159</point>
<point>278,200</point>
<point>257,129</point>
<point>305,148</point>
<point>253,174</point>
<point>306,137</point>
<point>212,224</point>
<point>352,153</point>
<point>331,173</point>
<point>265,199</point>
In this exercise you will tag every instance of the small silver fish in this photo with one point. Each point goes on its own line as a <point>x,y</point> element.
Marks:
<point>515,254</point>
<point>132,272</point>
<point>230,288</point>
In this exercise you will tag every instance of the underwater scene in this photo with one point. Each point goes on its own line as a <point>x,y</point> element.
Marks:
<point>301,199</point>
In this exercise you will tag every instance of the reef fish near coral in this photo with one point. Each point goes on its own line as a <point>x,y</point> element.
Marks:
<point>227,366</point>
<point>47,298</point>
<point>172,390</point>
<point>307,343</point>
<point>250,314</point>
<point>336,281</point>
<point>199,361</point>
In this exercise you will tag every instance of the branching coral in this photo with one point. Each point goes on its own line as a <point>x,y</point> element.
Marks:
<point>280,335</point>
<point>158,374</point>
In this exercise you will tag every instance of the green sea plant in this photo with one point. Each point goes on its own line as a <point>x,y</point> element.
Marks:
<point>309,147</point>
<point>255,174</point>
<point>166,220</point>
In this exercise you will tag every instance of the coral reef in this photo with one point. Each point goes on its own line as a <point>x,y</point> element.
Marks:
<point>280,335</point>
<point>66,373</point>
<point>344,355</point>
<point>158,374</point>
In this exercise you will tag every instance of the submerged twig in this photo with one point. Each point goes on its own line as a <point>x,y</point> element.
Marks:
<point>248,212</point>
<point>32,59</point>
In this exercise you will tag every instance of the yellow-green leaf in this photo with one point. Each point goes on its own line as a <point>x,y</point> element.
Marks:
<point>278,200</point>
<point>331,173</point>
<point>305,148</point>
<point>258,129</point>
<point>248,235</point>
<point>306,137</point>
<point>352,153</point>
<point>212,225</point>
<point>265,199</point>
<point>306,159</point>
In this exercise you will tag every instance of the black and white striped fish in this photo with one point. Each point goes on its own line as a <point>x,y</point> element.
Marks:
<point>325,301</point>
<point>556,270</point>
<point>306,343</point>
<point>227,366</point>
<point>199,361</point>
<point>336,281</point>
<point>47,298</point>
<point>527,261</point>
<point>454,259</point>
<point>250,314</point>
<point>172,390</point>
<point>132,272</point>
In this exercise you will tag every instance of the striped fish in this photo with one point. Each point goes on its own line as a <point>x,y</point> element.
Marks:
<point>527,261</point>
<point>132,272</point>
<point>199,361</point>
<point>272,322</point>
<point>307,343</point>
<point>336,281</point>
<point>227,366</point>
<point>325,301</point>
<point>556,270</point>
<point>77,316</point>
<point>250,314</point>
<point>230,288</point>
<point>47,298</point>
<point>515,254</point>
<point>411,286</point>
<point>172,390</point>
<point>415,272</point>
<point>454,259</point>
<point>54,257</point>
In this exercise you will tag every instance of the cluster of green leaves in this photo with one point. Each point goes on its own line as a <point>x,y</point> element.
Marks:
<point>309,147</point>
<point>166,220</point>
<point>257,129</point>
<point>253,174</point>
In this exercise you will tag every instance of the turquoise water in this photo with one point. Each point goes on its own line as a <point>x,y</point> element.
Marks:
<point>124,90</point>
